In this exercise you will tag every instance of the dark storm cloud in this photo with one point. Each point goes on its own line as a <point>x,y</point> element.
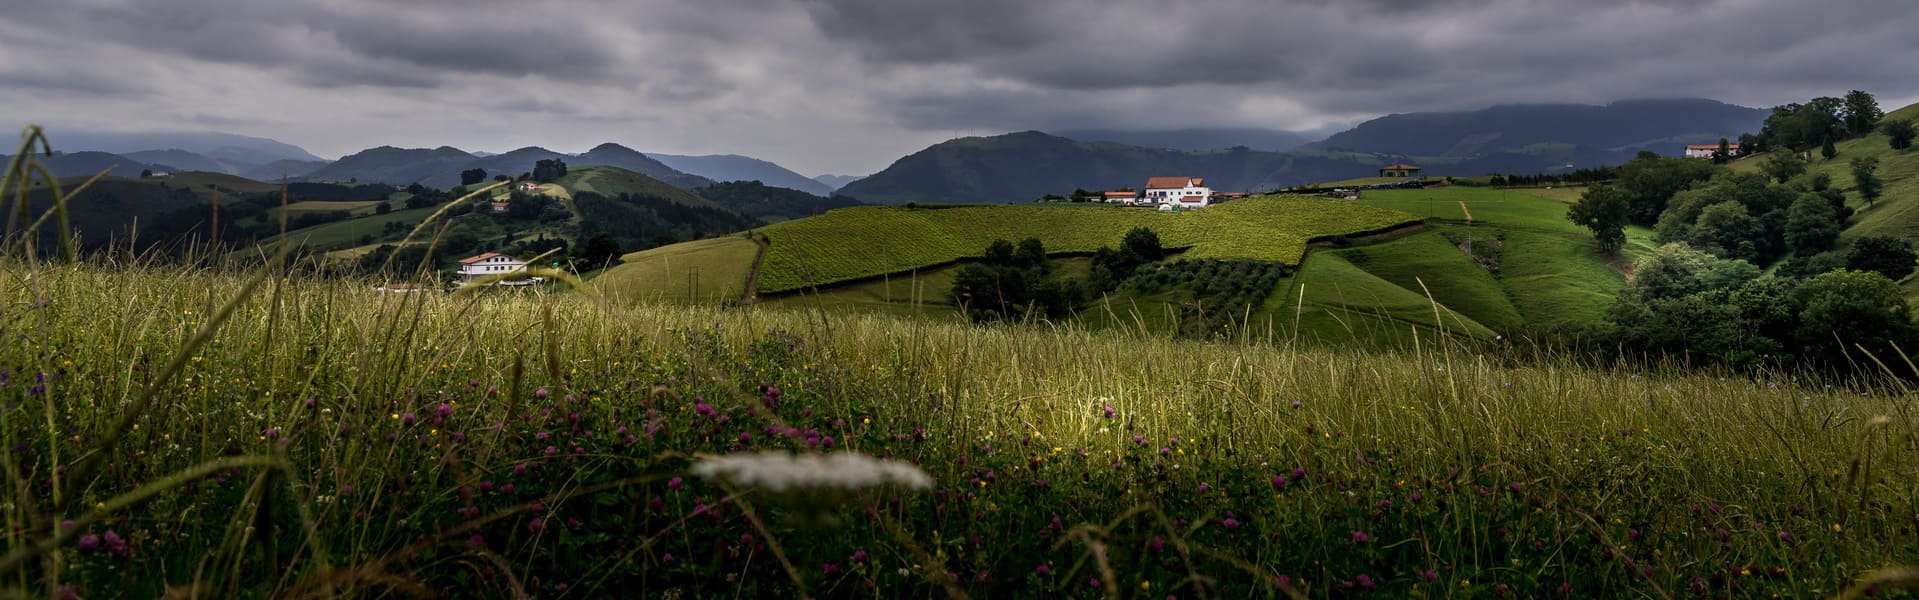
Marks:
<point>845,85</point>
<point>1375,56</point>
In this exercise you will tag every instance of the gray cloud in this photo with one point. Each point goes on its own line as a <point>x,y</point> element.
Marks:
<point>846,85</point>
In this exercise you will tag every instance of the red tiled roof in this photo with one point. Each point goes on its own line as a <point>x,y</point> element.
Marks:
<point>1120,194</point>
<point>1400,166</point>
<point>1193,198</point>
<point>1710,146</point>
<point>1160,183</point>
<point>474,259</point>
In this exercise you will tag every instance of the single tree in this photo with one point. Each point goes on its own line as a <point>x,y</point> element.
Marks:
<point>1865,176</point>
<point>601,251</point>
<point>1810,226</point>
<point>472,176</point>
<point>1892,257</point>
<point>145,173</point>
<point>1861,112</point>
<point>1899,133</point>
<point>1605,210</point>
<point>999,253</point>
<point>1827,150</point>
<point>1142,243</point>
<point>1031,254</point>
<point>1723,153</point>
<point>382,208</point>
<point>1783,165</point>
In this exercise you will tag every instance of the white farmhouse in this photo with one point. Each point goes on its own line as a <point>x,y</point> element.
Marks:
<point>475,268</point>
<point>1183,192</point>
<point>1707,150</point>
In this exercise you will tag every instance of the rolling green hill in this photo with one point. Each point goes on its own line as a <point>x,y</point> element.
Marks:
<point>710,271</point>
<point>862,242</point>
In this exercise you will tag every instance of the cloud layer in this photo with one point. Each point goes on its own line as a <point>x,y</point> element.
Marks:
<point>845,85</point>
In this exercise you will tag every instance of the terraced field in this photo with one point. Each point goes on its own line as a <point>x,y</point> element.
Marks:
<point>856,243</point>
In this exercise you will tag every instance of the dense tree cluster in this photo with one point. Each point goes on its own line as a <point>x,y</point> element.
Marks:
<point>1816,124</point>
<point>548,170</point>
<point>1691,305</point>
<point>1013,282</point>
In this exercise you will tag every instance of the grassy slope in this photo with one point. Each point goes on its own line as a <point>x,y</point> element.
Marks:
<point>867,241</point>
<point>662,274</point>
<point>349,232</point>
<point>1548,266</point>
<point>1429,455</point>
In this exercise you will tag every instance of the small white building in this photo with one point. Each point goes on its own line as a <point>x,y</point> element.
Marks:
<point>1186,192</point>
<point>474,268</point>
<point>1119,197</point>
<point>529,187</point>
<point>1707,150</point>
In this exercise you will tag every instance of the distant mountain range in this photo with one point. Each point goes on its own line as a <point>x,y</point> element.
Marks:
<point>223,148</point>
<point>441,167</point>
<point>1272,140</point>
<point>1623,127</point>
<point>1527,139</point>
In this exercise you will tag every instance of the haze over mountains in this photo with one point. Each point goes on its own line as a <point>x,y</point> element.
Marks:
<point>1515,139</point>
<point>1018,166</point>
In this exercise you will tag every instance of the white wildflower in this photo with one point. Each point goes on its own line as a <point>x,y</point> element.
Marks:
<point>779,471</point>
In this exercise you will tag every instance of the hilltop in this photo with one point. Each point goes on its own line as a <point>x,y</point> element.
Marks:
<point>1609,134</point>
<point>441,167</point>
<point>732,167</point>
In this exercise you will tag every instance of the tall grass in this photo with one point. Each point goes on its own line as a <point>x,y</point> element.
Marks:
<point>218,432</point>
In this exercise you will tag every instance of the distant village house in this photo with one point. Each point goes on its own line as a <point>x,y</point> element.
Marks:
<point>529,187</point>
<point>475,268</point>
<point>1399,170</point>
<point>499,208</point>
<point>1178,192</point>
<point>1707,150</point>
<point>1119,197</point>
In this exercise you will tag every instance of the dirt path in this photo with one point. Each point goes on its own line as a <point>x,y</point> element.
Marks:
<point>751,293</point>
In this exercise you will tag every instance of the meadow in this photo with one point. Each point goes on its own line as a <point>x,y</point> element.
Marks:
<point>207,433</point>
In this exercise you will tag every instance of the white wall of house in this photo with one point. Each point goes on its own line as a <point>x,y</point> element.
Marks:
<point>488,267</point>
<point>1179,194</point>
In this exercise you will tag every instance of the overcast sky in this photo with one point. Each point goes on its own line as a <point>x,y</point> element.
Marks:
<point>846,86</point>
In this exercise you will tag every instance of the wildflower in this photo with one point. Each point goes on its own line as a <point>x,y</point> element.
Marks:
<point>1429,575</point>
<point>1109,411</point>
<point>1360,537</point>
<point>830,569</point>
<point>1043,569</point>
<point>675,484</point>
<point>1279,482</point>
<point>1230,523</point>
<point>1295,405</point>
<point>539,393</point>
<point>859,557</point>
<point>1092,582</point>
<point>476,541</point>
<point>779,471</point>
<point>1365,581</point>
<point>89,542</point>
